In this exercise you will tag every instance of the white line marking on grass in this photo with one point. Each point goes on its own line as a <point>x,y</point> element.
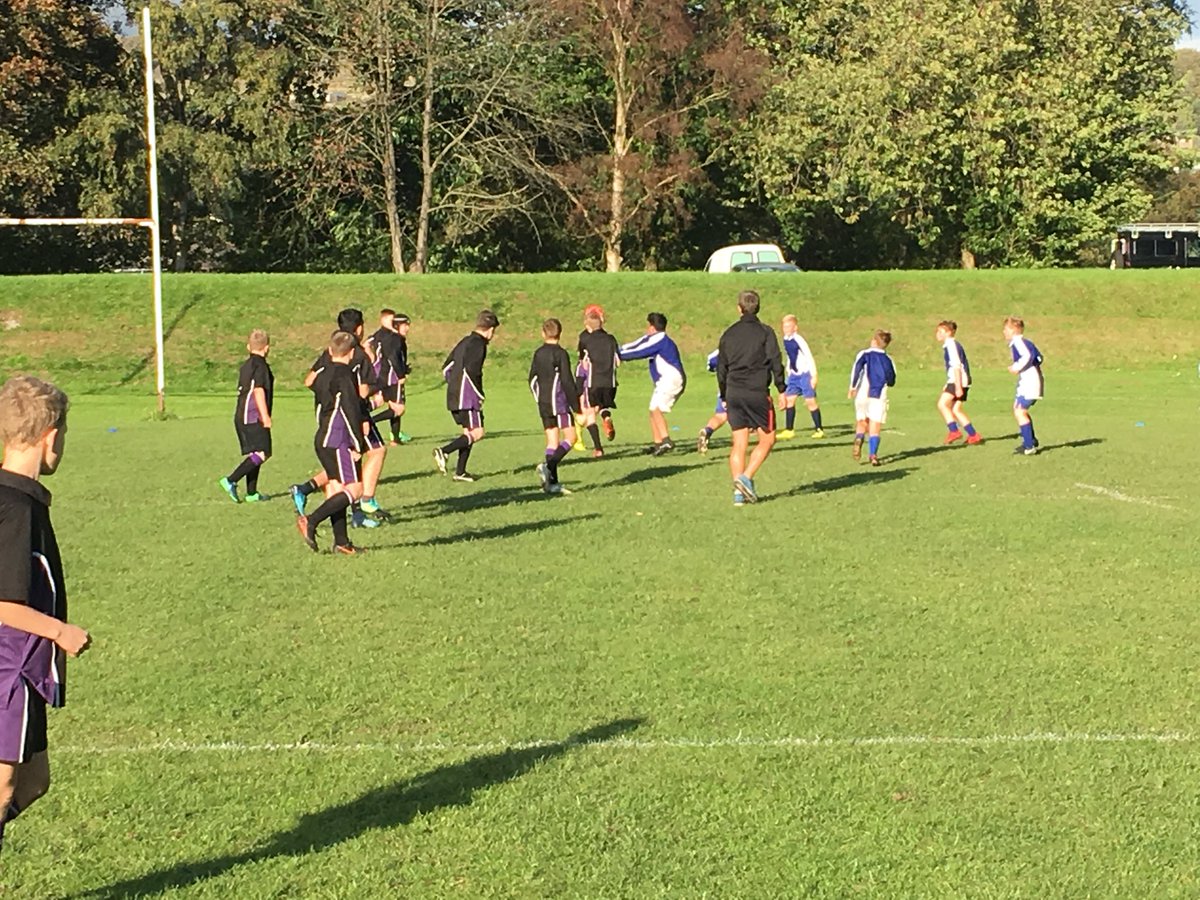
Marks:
<point>1117,495</point>
<point>622,743</point>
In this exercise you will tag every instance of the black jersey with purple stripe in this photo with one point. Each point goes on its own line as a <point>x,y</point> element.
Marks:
<point>463,371</point>
<point>339,408</point>
<point>552,382</point>
<point>255,373</point>
<point>31,573</point>
<point>598,350</point>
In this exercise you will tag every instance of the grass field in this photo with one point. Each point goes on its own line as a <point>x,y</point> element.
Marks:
<point>963,674</point>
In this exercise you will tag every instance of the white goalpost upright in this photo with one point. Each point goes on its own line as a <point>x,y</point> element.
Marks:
<point>150,222</point>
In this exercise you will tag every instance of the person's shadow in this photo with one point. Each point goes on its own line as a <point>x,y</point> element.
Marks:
<point>390,806</point>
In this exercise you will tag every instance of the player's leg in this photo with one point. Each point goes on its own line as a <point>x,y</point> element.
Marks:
<point>25,769</point>
<point>473,434</point>
<point>564,436</point>
<point>789,412</point>
<point>964,421</point>
<point>874,426</point>
<point>860,433</point>
<point>739,444</point>
<point>543,469</point>
<point>945,405</point>
<point>765,440</point>
<point>814,411</point>
<point>1021,413</point>
<point>658,425</point>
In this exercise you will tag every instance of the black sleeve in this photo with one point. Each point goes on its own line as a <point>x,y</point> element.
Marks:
<point>774,359</point>
<point>568,381</point>
<point>16,524</point>
<point>722,367</point>
<point>351,405</point>
<point>476,353</point>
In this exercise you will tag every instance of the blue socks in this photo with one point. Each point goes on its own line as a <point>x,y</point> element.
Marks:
<point>873,445</point>
<point>1027,436</point>
<point>953,426</point>
<point>816,417</point>
<point>789,417</point>
<point>970,430</point>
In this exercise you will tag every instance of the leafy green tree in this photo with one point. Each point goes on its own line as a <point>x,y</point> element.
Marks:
<point>1005,132</point>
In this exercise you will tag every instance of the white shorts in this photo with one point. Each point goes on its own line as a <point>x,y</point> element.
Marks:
<point>666,391</point>
<point>873,408</point>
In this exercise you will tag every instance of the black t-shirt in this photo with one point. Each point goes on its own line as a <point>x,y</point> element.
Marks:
<point>552,382</point>
<point>254,373</point>
<point>600,349</point>
<point>31,573</point>
<point>360,366</point>
<point>339,410</point>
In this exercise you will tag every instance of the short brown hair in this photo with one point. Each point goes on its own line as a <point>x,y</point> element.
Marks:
<point>29,407</point>
<point>884,337</point>
<point>486,319</point>
<point>749,302</point>
<point>552,328</point>
<point>1016,322</point>
<point>341,343</point>
<point>258,339</point>
<point>949,325</point>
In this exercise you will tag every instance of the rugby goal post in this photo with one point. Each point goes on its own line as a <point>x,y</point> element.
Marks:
<point>150,222</point>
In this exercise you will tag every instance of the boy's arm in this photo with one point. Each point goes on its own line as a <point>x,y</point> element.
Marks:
<point>570,385</point>
<point>643,348</point>
<point>71,638</point>
<point>1021,363</point>
<point>260,399</point>
<point>775,357</point>
<point>812,361</point>
<point>856,373</point>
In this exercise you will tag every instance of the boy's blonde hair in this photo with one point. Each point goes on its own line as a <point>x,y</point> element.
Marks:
<point>552,329</point>
<point>341,343</point>
<point>29,407</point>
<point>1016,322</point>
<point>258,339</point>
<point>883,337</point>
<point>790,318</point>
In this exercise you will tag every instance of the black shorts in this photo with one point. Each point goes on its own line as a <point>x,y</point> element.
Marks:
<point>557,420</point>
<point>373,439</point>
<point>949,389</point>
<point>23,726</point>
<point>748,411</point>
<point>339,464</point>
<point>254,438</point>
<point>394,393</point>
<point>602,397</point>
<point>468,418</point>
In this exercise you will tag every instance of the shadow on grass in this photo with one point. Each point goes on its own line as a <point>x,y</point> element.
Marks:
<point>649,473</point>
<point>857,478</point>
<point>383,808</point>
<point>487,534</point>
<point>168,330</point>
<point>1071,445</point>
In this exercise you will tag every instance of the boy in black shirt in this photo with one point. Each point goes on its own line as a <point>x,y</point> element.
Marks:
<point>340,439</point>
<point>390,344</point>
<point>599,360</point>
<point>35,633</point>
<point>252,418</point>
<point>557,397</point>
<point>463,372</point>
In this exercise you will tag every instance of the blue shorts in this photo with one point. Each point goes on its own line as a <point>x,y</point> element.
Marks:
<point>800,384</point>
<point>1023,402</point>
<point>719,409</point>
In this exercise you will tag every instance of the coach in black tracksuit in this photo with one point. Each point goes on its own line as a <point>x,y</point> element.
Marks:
<point>748,360</point>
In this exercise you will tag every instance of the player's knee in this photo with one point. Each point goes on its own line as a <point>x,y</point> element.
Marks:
<point>476,434</point>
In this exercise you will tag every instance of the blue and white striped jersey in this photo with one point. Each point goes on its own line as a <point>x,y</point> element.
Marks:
<point>662,352</point>
<point>873,371</point>
<point>1027,366</point>
<point>956,358</point>
<point>800,360</point>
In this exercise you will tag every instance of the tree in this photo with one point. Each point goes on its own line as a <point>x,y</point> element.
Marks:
<point>62,76</point>
<point>234,86</point>
<point>1015,143</point>
<point>668,68</point>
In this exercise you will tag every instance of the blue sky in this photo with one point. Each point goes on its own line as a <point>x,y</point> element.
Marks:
<point>1193,40</point>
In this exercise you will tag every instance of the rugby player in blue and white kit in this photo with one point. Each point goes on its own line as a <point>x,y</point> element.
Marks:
<point>1027,366</point>
<point>873,373</point>
<point>801,371</point>
<point>666,372</point>
<point>958,384</point>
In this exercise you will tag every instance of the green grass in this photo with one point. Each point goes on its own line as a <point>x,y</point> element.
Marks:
<point>960,593</point>
<point>95,333</point>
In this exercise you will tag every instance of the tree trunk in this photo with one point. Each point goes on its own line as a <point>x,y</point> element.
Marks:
<point>179,235</point>
<point>390,188</point>
<point>616,224</point>
<point>422,251</point>
<point>968,258</point>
